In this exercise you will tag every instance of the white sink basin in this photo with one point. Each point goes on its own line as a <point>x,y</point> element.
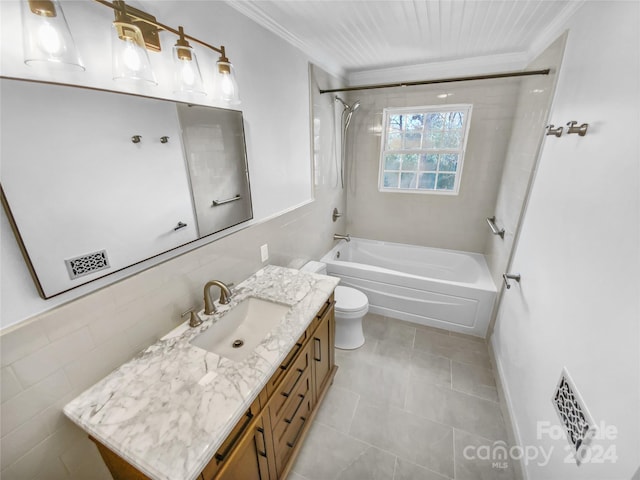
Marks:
<point>239,331</point>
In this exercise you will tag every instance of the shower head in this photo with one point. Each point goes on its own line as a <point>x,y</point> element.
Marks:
<point>350,108</point>
<point>344,104</point>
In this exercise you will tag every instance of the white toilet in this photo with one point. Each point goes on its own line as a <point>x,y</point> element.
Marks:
<point>351,306</point>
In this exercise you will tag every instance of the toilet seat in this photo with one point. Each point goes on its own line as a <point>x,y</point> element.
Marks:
<point>350,300</point>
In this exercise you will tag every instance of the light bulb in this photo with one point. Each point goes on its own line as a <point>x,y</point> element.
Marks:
<point>187,75</point>
<point>49,39</point>
<point>130,56</point>
<point>227,86</point>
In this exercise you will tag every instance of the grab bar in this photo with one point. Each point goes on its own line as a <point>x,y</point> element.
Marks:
<point>510,276</point>
<point>216,203</point>
<point>494,229</point>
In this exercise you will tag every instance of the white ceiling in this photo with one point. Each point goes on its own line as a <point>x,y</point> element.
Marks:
<point>350,36</point>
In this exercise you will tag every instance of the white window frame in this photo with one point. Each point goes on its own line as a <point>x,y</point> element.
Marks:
<point>466,108</point>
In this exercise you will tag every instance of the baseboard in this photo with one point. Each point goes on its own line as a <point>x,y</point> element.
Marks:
<point>507,409</point>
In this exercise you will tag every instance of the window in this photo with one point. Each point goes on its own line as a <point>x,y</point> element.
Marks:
<point>423,149</point>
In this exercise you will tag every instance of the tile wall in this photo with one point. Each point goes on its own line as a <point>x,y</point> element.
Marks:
<point>443,221</point>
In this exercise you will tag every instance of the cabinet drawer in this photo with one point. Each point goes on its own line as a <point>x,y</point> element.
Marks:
<point>287,432</point>
<point>292,408</point>
<point>286,366</point>
<point>290,384</point>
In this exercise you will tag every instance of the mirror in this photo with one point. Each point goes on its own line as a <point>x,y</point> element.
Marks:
<point>95,181</point>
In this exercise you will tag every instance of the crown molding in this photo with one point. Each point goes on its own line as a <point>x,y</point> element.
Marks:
<point>554,29</point>
<point>316,56</point>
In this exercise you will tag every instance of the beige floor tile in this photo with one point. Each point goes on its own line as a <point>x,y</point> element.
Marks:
<point>378,384</point>
<point>458,349</point>
<point>430,368</point>
<point>388,329</point>
<point>373,464</point>
<point>475,380</point>
<point>338,408</point>
<point>406,470</point>
<point>440,404</point>
<point>409,436</point>
<point>326,453</point>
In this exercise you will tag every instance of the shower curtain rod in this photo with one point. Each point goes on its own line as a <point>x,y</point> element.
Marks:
<point>439,80</point>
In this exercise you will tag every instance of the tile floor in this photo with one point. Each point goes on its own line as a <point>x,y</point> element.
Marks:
<point>406,406</point>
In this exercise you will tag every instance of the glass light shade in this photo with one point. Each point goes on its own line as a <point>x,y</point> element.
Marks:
<point>225,86</point>
<point>129,55</point>
<point>46,37</point>
<point>187,72</point>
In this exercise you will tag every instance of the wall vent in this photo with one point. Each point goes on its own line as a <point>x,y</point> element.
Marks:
<point>86,264</point>
<point>573,414</point>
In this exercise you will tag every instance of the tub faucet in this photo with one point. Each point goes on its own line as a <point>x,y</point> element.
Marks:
<point>225,295</point>
<point>346,237</point>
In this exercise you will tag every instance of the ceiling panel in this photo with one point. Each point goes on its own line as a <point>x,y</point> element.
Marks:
<point>359,35</point>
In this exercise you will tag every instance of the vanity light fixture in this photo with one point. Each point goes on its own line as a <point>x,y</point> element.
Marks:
<point>134,32</point>
<point>46,36</point>
<point>187,73</point>
<point>129,53</point>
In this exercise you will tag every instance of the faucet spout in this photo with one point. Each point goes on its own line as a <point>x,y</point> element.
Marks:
<point>346,237</point>
<point>225,295</point>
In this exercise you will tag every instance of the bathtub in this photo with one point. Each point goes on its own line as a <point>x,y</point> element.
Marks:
<point>441,288</point>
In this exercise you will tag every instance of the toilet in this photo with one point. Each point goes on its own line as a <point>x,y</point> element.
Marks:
<point>351,306</point>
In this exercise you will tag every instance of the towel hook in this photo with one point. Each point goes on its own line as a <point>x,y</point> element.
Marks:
<point>580,130</point>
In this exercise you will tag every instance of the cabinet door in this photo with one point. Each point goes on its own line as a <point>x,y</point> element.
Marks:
<point>249,458</point>
<point>322,350</point>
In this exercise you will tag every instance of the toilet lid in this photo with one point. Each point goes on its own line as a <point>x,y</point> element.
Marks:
<point>349,299</point>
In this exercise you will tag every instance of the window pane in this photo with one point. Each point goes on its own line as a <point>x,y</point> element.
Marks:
<point>392,162</point>
<point>446,181</point>
<point>410,162</point>
<point>428,162</point>
<point>412,140</point>
<point>454,119</point>
<point>452,139</point>
<point>408,180</point>
<point>449,162</point>
<point>414,122</point>
<point>434,139</point>
<point>435,121</point>
<point>394,141</point>
<point>427,181</point>
<point>395,123</point>
<point>391,179</point>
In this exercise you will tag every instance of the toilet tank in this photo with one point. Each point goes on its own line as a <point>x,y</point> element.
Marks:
<point>315,267</point>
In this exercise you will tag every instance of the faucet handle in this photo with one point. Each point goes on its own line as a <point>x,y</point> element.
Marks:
<point>194,319</point>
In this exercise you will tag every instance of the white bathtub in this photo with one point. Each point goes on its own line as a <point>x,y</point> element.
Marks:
<point>441,288</point>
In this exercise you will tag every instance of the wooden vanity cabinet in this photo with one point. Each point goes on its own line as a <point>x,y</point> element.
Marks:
<point>264,443</point>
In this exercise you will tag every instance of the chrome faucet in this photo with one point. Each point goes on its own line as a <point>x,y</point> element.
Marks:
<point>346,237</point>
<point>225,295</point>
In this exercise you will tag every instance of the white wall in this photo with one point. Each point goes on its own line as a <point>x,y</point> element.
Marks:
<point>275,105</point>
<point>577,305</point>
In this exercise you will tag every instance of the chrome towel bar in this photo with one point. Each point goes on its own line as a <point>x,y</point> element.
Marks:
<point>494,229</point>
<point>216,203</point>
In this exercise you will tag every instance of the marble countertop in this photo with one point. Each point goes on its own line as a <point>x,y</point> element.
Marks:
<point>168,410</point>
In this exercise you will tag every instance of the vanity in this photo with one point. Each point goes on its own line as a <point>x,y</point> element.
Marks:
<point>181,411</point>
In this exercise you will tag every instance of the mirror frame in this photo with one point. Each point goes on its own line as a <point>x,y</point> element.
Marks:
<point>152,260</point>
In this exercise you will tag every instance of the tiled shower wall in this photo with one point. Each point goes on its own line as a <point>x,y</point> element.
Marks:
<point>527,133</point>
<point>54,356</point>
<point>443,221</point>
